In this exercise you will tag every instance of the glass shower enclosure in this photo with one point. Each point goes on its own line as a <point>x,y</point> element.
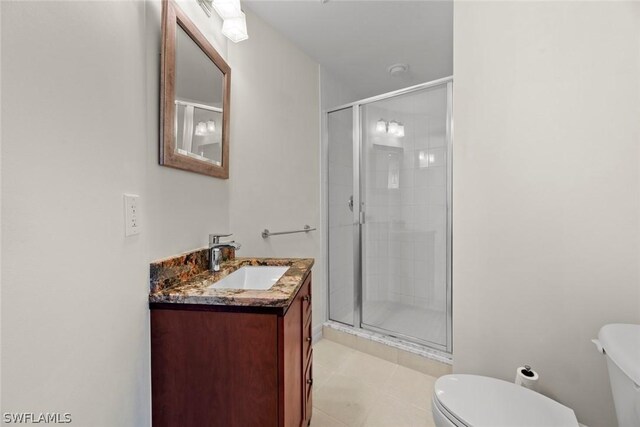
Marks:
<point>389,214</point>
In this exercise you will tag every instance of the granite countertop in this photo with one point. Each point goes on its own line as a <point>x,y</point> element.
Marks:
<point>185,280</point>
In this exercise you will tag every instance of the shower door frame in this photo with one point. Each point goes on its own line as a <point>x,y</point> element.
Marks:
<point>359,213</point>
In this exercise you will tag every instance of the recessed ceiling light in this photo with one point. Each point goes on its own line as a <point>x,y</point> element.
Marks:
<point>397,69</point>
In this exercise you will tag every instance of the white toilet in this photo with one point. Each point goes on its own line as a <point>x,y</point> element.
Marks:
<point>477,401</point>
<point>621,344</point>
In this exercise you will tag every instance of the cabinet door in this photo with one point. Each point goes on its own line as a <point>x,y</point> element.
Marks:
<point>213,369</point>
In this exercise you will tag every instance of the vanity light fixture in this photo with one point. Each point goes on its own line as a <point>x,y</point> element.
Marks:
<point>393,128</point>
<point>227,8</point>
<point>234,22</point>
<point>206,5</point>
<point>205,128</point>
<point>425,159</point>
<point>235,28</point>
<point>201,129</point>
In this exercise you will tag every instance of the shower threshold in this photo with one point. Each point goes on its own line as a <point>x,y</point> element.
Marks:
<point>415,356</point>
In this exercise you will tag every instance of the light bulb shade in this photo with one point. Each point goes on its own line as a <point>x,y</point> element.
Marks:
<point>425,159</point>
<point>235,29</point>
<point>381,126</point>
<point>422,160</point>
<point>211,126</point>
<point>201,129</point>
<point>393,128</point>
<point>400,131</point>
<point>227,8</point>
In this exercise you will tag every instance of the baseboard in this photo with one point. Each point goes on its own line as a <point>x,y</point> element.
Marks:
<point>316,333</point>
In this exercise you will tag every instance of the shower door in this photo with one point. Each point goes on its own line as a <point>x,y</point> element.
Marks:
<point>405,234</point>
<point>343,227</point>
<point>390,205</point>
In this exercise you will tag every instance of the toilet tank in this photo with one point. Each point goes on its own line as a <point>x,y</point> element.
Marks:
<point>621,344</point>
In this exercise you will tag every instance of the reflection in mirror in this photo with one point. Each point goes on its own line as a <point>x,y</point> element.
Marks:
<point>199,131</point>
<point>199,107</point>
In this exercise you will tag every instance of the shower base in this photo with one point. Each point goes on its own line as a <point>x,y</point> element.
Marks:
<point>421,323</point>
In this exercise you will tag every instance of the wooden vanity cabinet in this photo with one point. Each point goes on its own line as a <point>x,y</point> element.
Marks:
<point>232,366</point>
<point>307,354</point>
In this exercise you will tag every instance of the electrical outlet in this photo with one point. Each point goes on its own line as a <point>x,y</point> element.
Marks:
<point>131,215</point>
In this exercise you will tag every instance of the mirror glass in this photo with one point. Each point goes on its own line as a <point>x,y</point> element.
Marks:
<point>199,88</point>
<point>195,97</point>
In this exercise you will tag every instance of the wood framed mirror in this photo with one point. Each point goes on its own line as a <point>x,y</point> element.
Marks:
<point>195,89</point>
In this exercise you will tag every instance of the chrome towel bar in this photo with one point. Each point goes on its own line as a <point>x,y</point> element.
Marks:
<point>266,233</point>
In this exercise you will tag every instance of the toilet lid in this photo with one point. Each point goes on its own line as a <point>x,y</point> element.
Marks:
<point>478,401</point>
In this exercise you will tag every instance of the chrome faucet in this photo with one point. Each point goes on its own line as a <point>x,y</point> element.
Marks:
<point>215,254</point>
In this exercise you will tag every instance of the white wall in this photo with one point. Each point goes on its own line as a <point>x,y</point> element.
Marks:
<point>182,207</point>
<point>333,91</point>
<point>0,207</point>
<point>80,106</point>
<point>546,187</point>
<point>74,313</point>
<point>275,168</point>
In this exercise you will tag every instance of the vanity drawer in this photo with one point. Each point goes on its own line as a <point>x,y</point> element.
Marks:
<point>307,338</point>
<point>306,300</point>
<point>308,389</point>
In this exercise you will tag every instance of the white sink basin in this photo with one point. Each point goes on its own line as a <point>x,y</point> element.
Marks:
<point>252,277</point>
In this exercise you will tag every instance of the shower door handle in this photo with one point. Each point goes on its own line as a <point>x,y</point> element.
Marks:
<point>350,203</point>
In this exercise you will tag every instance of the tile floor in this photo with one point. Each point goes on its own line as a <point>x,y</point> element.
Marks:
<point>355,389</point>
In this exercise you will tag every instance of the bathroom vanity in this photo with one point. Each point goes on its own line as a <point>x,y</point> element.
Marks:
<point>230,356</point>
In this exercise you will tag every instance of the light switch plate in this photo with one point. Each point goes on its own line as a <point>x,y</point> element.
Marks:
<point>131,215</point>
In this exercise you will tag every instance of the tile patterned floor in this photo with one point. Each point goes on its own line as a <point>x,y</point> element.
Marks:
<point>355,389</point>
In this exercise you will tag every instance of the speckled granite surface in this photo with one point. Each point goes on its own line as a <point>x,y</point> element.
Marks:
<point>171,271</point>
<point>184,280</point>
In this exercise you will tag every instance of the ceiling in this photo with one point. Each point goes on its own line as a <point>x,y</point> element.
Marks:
<point>356,41</point>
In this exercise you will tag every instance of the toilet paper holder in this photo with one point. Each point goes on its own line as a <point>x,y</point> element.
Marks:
<point>527,372</point>
<point>527,377</point>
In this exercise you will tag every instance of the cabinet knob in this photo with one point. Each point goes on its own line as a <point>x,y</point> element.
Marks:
<point>309,339</point>
<point>310,381</point>
<point>306,298</point>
